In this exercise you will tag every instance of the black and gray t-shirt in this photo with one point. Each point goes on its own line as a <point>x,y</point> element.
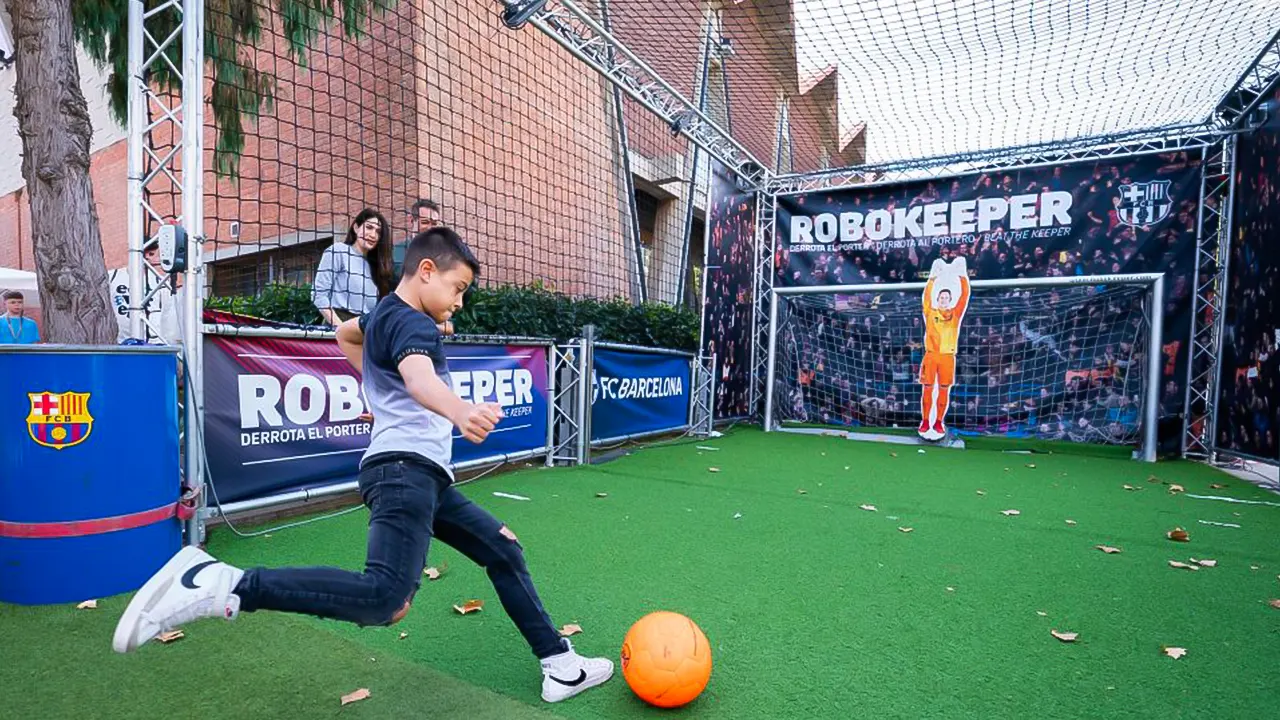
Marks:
<point>392,332</point>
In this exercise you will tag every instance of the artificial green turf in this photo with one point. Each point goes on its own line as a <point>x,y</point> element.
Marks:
<point>814,607</point>
<point>56,662</point>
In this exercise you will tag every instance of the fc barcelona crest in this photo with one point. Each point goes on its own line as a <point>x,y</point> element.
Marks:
<point>59,420</point>
<point>1144,203</point>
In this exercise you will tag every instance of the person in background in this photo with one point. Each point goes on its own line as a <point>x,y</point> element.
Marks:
<point>424,215</point>
<point>355,274</point>
<point>163,309</point>
<point>17,328</point>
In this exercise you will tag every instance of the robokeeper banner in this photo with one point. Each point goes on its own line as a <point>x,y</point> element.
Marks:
<point>1130,215</point>
<point>634,392</point>
<point>282,414</point>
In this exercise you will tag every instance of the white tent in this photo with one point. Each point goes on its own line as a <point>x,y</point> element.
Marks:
<point>23,280</point>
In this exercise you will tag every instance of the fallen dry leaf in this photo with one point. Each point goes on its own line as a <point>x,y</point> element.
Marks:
<point>1217,486</point>
<point>88,605</point>
<point>1071,522</point>
<point>802,492</point>
<point>1031,465</point>
<point>469,606</point>
<point>1205,563</point>
<point>1065,636</point>
<point>1179,535</point>
<point>602,495</point>
<point>903,529</point>
<point>1153,479</point>
<point>950,589</point>
<point>1176,564</point>
<point>1011,512</point>
<point>1108,549</point>
<point>1042,613</point>
<point>1130,487</point>
<point>982,492</point>
<point>432,573</point>
<point>713,469</point>
<point>893,454</point>
<point>1175,652</point>
<point>1253,567</point>
<point>872,508</point>
<point>168,637</point>
<point>356,696</point>
<point>570,629</point>
<point>1275,604</point>
<point>1176,489</point>
<point>404,635</point>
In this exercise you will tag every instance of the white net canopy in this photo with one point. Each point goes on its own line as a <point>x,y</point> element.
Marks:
<point>812,84</point>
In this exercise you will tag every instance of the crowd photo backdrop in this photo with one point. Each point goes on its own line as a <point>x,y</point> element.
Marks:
<point>1249,386</point>
<point>730,290</point>
<point>1131,215</point>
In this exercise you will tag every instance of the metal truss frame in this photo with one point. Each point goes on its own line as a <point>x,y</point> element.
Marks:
<point>1028,156</point>
<point>181,167</point>
<point>568,363</point>
<point>1213,256</point>
<point>765,251</point>
<point>702,396</point>
<point>586,39</point>
<point>1251,89</point>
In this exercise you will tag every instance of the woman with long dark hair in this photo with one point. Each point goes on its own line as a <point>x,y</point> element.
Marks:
<point>355,274</point>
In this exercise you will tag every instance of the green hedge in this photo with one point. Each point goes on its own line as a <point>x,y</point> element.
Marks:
<point>508,310</point>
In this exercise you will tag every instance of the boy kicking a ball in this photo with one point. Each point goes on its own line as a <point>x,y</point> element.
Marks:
<point>405,482</point>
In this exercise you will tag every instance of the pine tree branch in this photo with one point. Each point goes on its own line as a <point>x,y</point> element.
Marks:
<point>239,89</point>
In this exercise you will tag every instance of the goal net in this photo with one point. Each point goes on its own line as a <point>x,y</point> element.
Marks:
<point>1052,358</point>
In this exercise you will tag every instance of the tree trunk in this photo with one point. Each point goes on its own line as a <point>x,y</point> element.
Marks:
<point>53,122</point>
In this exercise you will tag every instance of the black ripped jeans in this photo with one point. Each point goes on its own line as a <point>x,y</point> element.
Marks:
<point>410,500</point>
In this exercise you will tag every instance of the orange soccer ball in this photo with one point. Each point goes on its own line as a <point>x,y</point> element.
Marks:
<point>666,659</point>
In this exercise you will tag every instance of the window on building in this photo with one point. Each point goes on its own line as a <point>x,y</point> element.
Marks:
<point>647,212</point>
<point>693,278</point>
<point>250,274</point>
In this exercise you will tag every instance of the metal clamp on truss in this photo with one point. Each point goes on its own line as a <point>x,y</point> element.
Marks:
<point>1250,90</point>
<point>589,41</point>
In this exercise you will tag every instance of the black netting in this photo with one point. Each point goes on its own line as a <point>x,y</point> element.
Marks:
<point>1063,363</point>
<point>514,141</point>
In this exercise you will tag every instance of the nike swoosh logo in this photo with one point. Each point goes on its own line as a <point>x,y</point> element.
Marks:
<point>582,677</point>
<point>189,577</point>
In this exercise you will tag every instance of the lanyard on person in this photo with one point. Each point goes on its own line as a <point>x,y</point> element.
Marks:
<point>8,319</point>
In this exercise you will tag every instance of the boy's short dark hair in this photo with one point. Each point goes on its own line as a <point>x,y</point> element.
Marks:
<point>424,203</point>
<point>13,295</point>
<point>442,246</point>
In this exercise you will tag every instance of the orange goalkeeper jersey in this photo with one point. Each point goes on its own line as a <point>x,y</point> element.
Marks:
<point>942,326</point>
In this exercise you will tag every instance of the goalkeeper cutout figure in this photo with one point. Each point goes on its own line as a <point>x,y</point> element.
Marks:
<point>943,313</point>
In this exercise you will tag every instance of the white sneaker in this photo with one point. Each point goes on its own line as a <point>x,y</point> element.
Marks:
<point>568,674</point>
<point>190,586</point>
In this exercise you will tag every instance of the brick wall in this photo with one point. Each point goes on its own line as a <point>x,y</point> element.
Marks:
<point>509,132</point>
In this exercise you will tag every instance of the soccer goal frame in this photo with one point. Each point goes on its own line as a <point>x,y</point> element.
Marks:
<point>1154,282</point>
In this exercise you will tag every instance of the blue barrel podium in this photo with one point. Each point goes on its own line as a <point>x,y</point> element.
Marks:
<point>89,460</point>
